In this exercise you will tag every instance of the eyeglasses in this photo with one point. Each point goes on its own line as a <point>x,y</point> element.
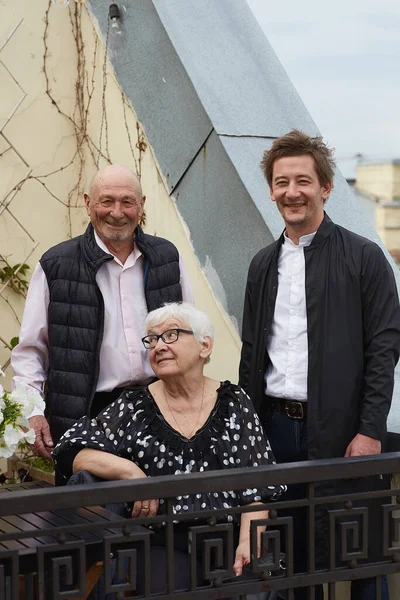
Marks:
<point>168,337</point>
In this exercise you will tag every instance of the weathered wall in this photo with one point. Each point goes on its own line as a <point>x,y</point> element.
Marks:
<point>381,180</point>
<point>68,115</point>
<point>387,219</point>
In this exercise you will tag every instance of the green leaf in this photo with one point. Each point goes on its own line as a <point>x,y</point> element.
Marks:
<point>25,267</point>
<point>14,341</point>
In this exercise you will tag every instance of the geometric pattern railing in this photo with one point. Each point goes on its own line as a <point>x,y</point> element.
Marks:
<point>53,539</point>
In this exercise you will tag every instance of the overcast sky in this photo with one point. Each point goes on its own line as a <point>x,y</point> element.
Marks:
<point>343,57</point>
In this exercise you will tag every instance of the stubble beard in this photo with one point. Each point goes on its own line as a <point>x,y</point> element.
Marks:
<point>295,220</point>
<point>116,236</point>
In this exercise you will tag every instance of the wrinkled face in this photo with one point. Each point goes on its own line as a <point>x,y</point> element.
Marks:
<point>179,358</point>
<point>115,206</point>
<point>298,193</point>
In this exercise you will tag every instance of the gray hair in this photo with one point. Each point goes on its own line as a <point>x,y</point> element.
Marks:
<point>187,314</point>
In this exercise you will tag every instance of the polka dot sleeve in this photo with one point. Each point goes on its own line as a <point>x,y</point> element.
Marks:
<point>254,450</point>
<point>106,432</point>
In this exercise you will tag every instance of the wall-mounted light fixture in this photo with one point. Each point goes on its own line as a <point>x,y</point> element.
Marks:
<point>115,18</point>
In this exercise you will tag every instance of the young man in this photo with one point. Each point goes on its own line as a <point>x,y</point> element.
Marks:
<point>321,329</point>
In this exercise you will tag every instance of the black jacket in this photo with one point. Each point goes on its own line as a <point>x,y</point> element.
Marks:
<point>76,316</point>
<point>353,321</point>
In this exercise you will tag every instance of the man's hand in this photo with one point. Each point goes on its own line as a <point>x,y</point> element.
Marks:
<point>362,445</point>
<point>43,443</point>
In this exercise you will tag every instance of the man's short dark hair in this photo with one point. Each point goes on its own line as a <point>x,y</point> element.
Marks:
<point>297,143</point>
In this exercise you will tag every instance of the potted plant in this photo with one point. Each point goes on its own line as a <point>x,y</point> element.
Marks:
<point>25,466</point>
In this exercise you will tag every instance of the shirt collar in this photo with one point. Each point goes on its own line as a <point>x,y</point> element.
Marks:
<point>134,255</point>
<point>305,240</point>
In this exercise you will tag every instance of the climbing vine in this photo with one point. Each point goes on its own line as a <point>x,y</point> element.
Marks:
<point>14,277</point>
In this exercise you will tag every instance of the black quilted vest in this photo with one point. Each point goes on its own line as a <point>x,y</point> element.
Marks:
<point>76,316</point>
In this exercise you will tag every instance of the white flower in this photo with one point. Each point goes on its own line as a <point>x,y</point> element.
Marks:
<point>28,399</point>
<point>20,396</point>
<point>22,422</point>
<point>2,372</point>
<point>30,436</point>
<point>12,435</point>
<point>7,451</point>
<point>38,400</point>
<point>20,403</point>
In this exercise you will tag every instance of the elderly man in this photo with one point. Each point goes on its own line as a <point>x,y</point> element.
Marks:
<point>86,305</point>
<point>321,332</point>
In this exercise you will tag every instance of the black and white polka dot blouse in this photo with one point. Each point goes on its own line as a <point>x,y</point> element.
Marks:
<point>134,428</point>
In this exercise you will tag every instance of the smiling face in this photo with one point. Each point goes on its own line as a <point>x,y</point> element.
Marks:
<point>298,194</point>
<point>181,358</point>
<point>115,204</point>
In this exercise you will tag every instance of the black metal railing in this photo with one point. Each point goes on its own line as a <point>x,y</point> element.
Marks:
<point>56,542</point>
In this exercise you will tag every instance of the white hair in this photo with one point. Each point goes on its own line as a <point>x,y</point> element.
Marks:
<point>185,313</point>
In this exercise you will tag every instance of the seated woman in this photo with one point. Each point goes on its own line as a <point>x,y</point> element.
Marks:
<point>182,423</point>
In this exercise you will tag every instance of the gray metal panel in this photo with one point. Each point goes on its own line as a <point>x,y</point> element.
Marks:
<point>224,223</point>
<point>367,203</point>
<point>153,78</point>
<point>237,75</point>
<point>246,154</point>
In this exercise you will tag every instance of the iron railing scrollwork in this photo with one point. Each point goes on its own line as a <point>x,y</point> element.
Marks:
<point>50,538</point>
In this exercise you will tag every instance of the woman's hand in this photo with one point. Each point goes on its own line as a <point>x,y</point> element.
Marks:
<point>145,508</point>
<point>142,508</point>
<point>242,557</point>
<point>109,467</point>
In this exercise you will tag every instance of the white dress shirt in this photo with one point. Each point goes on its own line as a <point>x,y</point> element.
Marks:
<point>287,345</point>
<point>123,359</point>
